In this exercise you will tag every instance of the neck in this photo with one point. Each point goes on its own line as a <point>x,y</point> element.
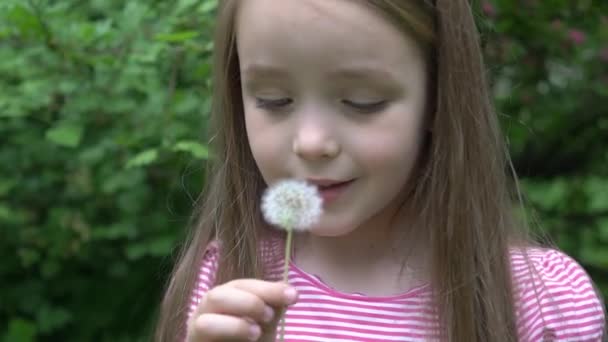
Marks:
<point>388,249</point>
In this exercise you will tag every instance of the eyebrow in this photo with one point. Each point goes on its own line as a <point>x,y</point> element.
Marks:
<point>375,74</point>
<point>351,72</point>
<point>261,70</point>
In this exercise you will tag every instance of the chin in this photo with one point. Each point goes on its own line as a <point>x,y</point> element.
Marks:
<point>330,231</point>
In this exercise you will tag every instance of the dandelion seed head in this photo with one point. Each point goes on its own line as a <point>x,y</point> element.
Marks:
<point>292,204</point>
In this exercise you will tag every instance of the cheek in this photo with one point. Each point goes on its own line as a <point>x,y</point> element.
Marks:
<point>392,158</point>
<point>256,128</point>
<point>265,143</point>
<point>392,148</point>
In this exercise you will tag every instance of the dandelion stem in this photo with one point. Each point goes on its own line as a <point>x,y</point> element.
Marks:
<point>287,254</point>
<point>285,276</point>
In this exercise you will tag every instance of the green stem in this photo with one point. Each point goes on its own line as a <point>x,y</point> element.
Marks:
<point>287,255</point>
<point>285,277</point>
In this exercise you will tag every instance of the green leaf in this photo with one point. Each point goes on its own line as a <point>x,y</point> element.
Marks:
<point>67,135</point>
<point>547,194</point>
<point>595,255</point>
<point>116,231</point>
<point>193,147</point>
<point>119,269</point>
<point>5,213</point>
<point>136,251</point>
<point>51,318</point>
<point>7,185</point>
<point>20,330</point>
<point>161,246</point>
<point>208,6</point>
<point>176,36</point>
<point>603,229</point>
<point>143,158</point>
<point>28,256</point>
<point>597,190</point>
<point>12,214</point>
<point>23,18</point>
<point>184,4</point>
<point>49,268</point>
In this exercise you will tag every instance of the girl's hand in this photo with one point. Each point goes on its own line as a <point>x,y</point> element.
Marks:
<point>240,310</point>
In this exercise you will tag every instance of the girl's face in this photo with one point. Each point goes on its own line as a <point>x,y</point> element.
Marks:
<point>332,91</point>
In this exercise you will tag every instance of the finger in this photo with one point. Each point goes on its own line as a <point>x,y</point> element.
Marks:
<point>217,327</point>
<point>276,294</point>
<point>269,331</point>
<point>236,302</point>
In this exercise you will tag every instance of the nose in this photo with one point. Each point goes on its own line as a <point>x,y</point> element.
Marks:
<point>314,140</point>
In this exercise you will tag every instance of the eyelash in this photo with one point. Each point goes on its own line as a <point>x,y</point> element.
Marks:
<point>365,108</point>
<point>272,104</point>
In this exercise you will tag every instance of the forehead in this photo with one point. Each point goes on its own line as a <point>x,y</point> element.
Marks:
<point>321,32</point>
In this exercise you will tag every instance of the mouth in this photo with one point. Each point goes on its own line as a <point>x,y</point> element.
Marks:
<point>331,190</point>
<point>324,184</point>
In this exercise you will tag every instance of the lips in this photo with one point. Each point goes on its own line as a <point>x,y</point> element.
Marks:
<point>327,183</point>
<point>332,186</point>
<point>331,190</point>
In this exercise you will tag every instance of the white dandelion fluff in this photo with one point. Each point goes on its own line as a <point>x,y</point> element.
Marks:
<point>292,204</point>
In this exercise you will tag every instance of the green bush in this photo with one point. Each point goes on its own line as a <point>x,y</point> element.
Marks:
<point>103,106</point>
<point>549,63</point>
<point>102,109</point>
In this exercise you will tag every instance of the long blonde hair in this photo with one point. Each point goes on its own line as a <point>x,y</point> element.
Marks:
<point>462,187</point>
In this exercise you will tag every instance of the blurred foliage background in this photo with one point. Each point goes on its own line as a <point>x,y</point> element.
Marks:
<point>103,105</point>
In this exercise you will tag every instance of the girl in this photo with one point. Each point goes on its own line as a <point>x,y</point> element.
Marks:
<point>383,105</point>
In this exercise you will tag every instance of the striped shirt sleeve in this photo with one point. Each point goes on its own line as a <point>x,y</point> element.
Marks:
<point>205,277</point>
<point>562,304</point>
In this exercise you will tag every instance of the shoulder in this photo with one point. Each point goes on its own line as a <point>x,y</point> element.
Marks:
<point>555,297</point>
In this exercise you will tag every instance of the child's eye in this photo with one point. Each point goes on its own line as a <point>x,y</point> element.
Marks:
<point>273,104</point>
<point>367,107</point>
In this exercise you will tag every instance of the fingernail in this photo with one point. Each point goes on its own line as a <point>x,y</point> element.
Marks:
<point>268,314</point>
<point>291,294</point>
<point>254,333</point>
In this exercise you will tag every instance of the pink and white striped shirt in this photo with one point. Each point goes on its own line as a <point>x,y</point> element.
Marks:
<point>559,305</point>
